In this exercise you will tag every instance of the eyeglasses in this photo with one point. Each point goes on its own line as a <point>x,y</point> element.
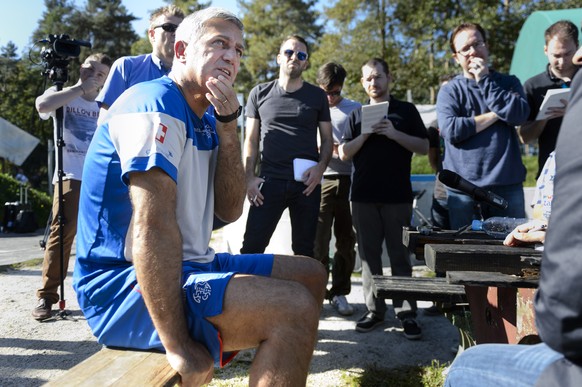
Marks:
<point>168,27</point>
<point>333,93</point>
<point>467,49</point>
<point>299,54</point>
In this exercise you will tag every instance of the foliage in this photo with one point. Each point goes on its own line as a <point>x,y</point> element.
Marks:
<point>411,35</point>
<point>428,376</point>
<point>40,202</point>
<point>421,166</point>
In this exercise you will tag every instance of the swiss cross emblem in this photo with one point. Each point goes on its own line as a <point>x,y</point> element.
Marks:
<point>161,134</point>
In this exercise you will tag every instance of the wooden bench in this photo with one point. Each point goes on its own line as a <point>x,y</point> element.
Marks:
<point>418,288</point>
<point>120,367</point>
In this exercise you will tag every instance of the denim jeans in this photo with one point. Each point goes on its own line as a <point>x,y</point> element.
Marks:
<point>462,209</point>
<point>495,365</point>
<point>303,211</point>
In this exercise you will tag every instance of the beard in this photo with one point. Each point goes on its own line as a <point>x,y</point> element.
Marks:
<point>293,72</point>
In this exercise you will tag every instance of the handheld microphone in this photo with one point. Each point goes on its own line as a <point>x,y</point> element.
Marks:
<point>453,180</point>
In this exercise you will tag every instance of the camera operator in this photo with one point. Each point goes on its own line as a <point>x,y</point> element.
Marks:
<point>80,113</point>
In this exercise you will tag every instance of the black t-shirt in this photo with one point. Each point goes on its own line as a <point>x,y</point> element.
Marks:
<point>382,166</point>
<point>535,89</point>
<point>289,123</point>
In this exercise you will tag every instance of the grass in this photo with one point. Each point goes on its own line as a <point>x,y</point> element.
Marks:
<point>420,166</point>
<point>236,375</point>
<point>429,376</point>
<point>20,265</point>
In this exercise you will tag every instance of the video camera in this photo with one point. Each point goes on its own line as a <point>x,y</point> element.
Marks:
<point>56,54</point>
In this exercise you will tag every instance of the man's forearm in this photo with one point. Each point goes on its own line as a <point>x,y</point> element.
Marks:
<point>349,149</point>
<point>156,247</point>
<point>325,151</point>
<point>484,121</point>
<point>49,102</point>
<point>229,181</point>
<point>531,130</point>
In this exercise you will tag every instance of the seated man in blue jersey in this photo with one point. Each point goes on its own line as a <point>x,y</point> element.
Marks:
<point>159,168</point>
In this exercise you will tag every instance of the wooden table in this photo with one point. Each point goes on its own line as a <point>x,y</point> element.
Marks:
<point>499,281</point>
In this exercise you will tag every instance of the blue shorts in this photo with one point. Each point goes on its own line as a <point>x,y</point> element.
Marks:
<point>115,310</point>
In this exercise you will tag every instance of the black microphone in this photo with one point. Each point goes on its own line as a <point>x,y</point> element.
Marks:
<point>452,180</point>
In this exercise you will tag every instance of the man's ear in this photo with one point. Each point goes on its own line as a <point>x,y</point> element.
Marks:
<point>180,50</point>
<point>456,58</point>
<point>152,35</point>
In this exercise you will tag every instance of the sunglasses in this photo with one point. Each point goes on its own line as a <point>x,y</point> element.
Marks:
<point>168,27</point>
<point>334,93</point>
<point>299,54</point>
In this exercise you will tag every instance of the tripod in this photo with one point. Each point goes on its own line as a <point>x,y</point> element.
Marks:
<point>59,75</point>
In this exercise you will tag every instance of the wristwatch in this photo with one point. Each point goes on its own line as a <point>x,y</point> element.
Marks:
<point>230,117</point>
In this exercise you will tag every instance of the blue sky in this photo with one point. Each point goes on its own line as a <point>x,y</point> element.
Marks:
<point>20,17</point>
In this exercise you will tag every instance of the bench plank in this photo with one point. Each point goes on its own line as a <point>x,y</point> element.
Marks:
<point>120,367</point>
<point>418,288</point>
<point>502,259</point>
<point>500,280</point>
<point>415,240</point>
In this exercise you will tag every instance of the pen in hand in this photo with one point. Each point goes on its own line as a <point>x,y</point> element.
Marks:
<point>255,198</point>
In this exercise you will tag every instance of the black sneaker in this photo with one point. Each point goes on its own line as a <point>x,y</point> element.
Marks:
<point>368,322</point>
<point>43,310</point>
<point>411,329</point>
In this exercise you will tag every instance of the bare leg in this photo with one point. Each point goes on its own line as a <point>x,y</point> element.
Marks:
<point>307,271</point>
<point>279,315</point>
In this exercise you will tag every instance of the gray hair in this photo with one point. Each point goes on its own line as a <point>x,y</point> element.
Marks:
<point>194,25</point>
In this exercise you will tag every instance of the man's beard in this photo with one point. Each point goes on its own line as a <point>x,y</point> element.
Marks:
<point>293,73</point>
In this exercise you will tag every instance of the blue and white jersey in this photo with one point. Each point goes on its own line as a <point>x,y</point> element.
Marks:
<point>150,125</point>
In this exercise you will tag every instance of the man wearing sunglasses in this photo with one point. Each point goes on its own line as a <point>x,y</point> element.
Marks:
<point>129,70</point>
<point>477,115</point>
<point>335,194</point>
<point>283,119</point>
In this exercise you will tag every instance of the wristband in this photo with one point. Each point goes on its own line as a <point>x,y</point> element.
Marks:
<point>230,117</point>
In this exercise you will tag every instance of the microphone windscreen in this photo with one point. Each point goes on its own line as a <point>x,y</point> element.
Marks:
<point>449,178</point>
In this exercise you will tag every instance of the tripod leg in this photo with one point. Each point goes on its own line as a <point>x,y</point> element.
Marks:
<point>47,231</point>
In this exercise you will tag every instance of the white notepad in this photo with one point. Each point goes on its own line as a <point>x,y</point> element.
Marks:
<point>372,114</point>
<point>300,166</point>
<point>552,99</point>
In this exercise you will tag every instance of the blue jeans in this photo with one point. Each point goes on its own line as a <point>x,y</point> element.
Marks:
<point>303,212</point>
<point>495,365</point>
<point>462,209</point>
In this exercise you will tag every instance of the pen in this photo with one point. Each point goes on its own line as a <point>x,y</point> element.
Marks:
<point>539,228</point>
<point>255,198</point>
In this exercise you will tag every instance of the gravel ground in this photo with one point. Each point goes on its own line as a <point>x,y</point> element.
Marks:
<point>32,353</point>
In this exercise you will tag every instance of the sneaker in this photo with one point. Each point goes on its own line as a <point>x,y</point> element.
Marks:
<point>43,310</point>
<point>342,305</point>
<point>368,322</point>
<point>411,329</point>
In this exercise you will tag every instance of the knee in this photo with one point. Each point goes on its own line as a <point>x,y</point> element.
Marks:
<point>319,276</point>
